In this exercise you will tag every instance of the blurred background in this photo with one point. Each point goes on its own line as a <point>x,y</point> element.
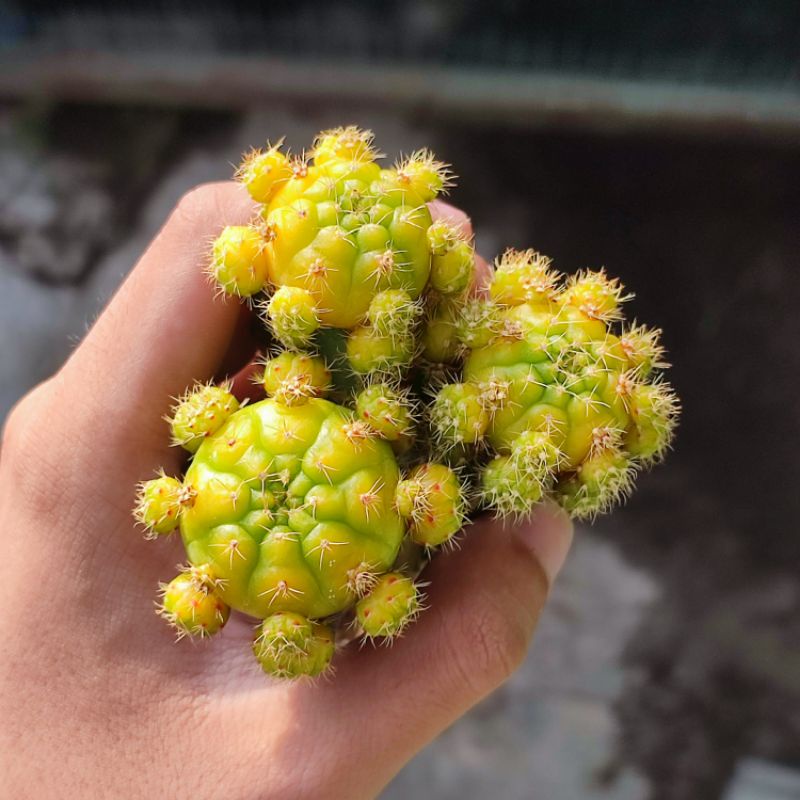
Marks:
<point>661,140</point>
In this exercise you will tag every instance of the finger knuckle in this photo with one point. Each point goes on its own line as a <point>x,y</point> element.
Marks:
<point>26,455</point>
<point>195,203</point>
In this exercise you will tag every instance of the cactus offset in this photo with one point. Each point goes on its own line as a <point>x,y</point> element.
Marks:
<point>288,645</point>
<point>191,603</point>
<point>393,602</point>
<point>570,408</point>
<point>342,243</point>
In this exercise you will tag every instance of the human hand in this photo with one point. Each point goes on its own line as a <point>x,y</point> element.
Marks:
<point>95,698</point>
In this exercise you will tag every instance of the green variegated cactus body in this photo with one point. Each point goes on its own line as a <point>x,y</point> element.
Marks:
<point>569,407</point>
<point>293,506</point>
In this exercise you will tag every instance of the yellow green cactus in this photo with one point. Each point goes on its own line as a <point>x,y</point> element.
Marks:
<point>293,378</point>
<point>191,603</point>
<point>289,513</point>
<point>387,409</point>
<point>287,502</point>
<point>400,399</point>
<point>288,645</point>
<point>431,498</point>
<point>239,261</point>
<point>200,413</point>
<point>159,504</point>
<point>341,242</point>
<point>393,602</point>
<point>571,407</point>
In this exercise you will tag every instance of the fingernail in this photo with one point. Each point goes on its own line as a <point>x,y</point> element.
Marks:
<point>548,533</point>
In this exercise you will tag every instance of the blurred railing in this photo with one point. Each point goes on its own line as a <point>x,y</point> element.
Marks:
<point>685,64</point>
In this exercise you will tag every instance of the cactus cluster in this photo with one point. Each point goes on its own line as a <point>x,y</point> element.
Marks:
<point>341,243</point>
<point>555,395</point>
<point>399,398</point>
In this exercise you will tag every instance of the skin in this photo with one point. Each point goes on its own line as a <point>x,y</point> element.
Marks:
<point>96,699</point>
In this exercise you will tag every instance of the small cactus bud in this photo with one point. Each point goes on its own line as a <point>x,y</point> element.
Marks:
<point>442,236</point>
<point>369,352</point>
<point>293,378</point>
<point>159,504</point>
<point>602,481</point>
<point>595,295</point>
<point>393,313</point>
<point>200,413</point>
<point>263,172</point>
<point>239,261</point>
<point>654,411</point>
<point>392,603</point>
<point>508,490</point>
<point>458,415</point>
<point>432,500</point>
<point>642,347</point>
<point>452,272</point>
<point>348,144</point>
<point>191,604</point>
<point>422,175</point>
<point>386,410</point>
<point>293,316</point>
<point>523,276</point>
<point>288,645</point>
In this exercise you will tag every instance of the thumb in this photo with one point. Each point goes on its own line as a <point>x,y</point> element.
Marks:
<point>484,604</point>
<point>485,600</point>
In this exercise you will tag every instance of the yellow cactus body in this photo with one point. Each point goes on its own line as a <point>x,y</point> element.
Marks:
<point>341,242</point>
<point>392,604</point>
<point>240,260</point>
<point>343,229</point>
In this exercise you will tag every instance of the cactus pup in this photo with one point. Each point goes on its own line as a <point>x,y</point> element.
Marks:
<point>556,396</point>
